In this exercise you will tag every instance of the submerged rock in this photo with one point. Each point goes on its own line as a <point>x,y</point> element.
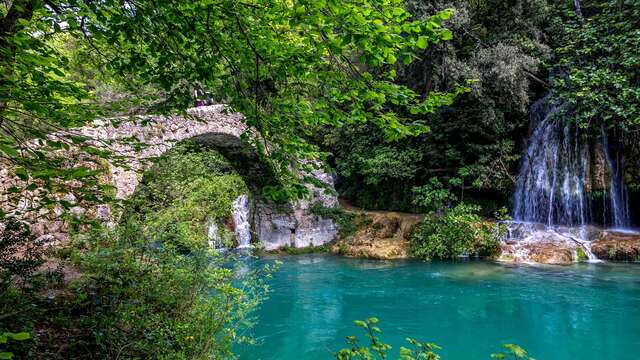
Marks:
<point>617,246</point>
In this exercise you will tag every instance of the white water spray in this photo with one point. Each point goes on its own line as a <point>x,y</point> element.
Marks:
<point>555,168</point>
<point>241,212</point>
<point>213,236</point>
<point>551,202</point>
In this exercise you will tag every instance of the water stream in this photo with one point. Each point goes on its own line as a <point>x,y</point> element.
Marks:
<point>213,235</point>
<point>241,227</point>
<point>241,212</point>
<point>550,185</point>
<point>554,183</point>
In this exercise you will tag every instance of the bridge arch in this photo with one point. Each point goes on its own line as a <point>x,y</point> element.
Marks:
<point>274,225</point>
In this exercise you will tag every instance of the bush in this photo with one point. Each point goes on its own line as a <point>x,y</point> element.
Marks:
<point>432,196</point>
<point>150,288</point>
<point>189,187</point>
<point>376,349</point>
<point>20,253</point>
<point>150,301</point>
<point>458,232</point>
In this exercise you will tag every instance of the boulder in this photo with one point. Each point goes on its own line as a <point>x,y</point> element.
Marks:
<point>617,246</point>
<point>542,244</point>
<point>380,235</point>
<point>552,253</point>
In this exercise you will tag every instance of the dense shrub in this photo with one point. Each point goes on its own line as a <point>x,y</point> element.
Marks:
<point>148,288</point>
<point>187,188</point>
<point>156,301</point>
<point>20,253</point>
<point>459,231</point>
<point>501,44</point>
<point>162,291</point>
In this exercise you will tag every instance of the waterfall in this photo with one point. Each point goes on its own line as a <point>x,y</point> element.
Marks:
<point>617,189</point>
<point>555,168</point>
<point>550,186</point>
<point>215,241</point>
<point>241,221</point>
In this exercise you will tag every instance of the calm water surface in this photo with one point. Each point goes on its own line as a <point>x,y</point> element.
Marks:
<point>586,311</point>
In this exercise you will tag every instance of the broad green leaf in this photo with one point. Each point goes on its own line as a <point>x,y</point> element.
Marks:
<point>20,336</point>
<point>422,42</point>
<point>10,151</point>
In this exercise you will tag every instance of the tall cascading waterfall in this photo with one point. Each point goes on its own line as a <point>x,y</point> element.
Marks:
<point>241,212</point>
<point>550,188</point>
<point>620,216</point>
<point>550,185</point>
<point>552,199</point>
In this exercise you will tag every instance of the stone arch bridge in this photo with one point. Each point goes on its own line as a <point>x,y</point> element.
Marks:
<point>142,138</point>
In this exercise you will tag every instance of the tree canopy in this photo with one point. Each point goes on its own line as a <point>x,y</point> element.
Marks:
<point>289,67</point>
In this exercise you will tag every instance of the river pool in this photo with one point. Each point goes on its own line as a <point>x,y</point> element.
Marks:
<point>584,311</point>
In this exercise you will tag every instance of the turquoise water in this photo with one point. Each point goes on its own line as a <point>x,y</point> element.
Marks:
<point>586,311</point>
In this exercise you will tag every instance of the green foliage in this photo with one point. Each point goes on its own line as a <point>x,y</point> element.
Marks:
<point>20,254</point>
<point>512,351</point>
<point>40,100</point>
<point>432,196</point>
<point>189,187</point>
<point>387,164</point>
<point>184,221</point>
<point>289,250</point>
<point>460,231</point>
<point>500,45</point>
<point>157,301</point>
<point>5,337</point>
<point>376,349</point>
<point>150,287</point>
<point>289,67</point>
<point>168,294</point>
<point>580,254</point>
<point>172,174</point>
<point>599,64</point>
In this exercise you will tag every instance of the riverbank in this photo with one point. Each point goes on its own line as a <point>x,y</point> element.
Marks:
<point>386,235</point>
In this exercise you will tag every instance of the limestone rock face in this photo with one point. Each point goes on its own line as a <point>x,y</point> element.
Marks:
<point>561,245</point>
<point>617,246</point>
<point>553,253</point>
<point>294,225</point>
<point>381,235</point>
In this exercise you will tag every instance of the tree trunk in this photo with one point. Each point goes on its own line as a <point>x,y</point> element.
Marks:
<point>20,9</point>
